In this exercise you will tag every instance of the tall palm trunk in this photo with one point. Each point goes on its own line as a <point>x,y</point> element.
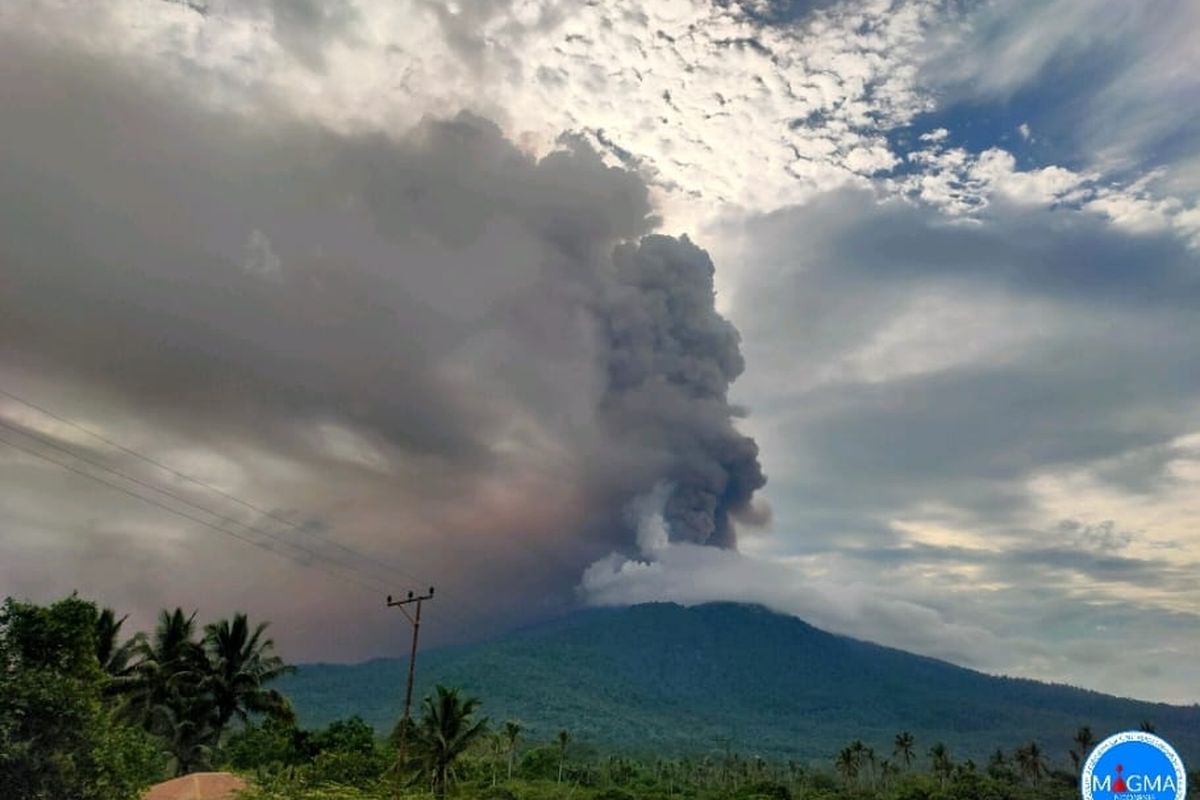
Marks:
<point>512,730</point>
<point>563,739</point>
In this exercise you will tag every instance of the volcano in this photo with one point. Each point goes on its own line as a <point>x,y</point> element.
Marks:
<point>671,679</point>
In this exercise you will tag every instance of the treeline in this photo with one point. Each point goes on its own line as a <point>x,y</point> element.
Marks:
<point>452,751</point>
<point>860,766</point>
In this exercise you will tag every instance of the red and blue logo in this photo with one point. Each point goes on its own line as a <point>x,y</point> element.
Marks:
<point>1133,766</point>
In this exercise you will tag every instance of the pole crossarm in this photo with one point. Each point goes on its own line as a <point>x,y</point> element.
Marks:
<point>411,598</point>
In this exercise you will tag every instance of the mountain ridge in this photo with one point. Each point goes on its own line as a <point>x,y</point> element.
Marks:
<point>670,678</point>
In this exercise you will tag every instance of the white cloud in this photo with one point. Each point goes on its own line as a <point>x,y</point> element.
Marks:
<point>961,610</point>
<point>723,112</point>
<point>706,98</point>
<point>1132,70</point>
<point>962,184</point>
<point>850,605</point>
<point>940,327</point>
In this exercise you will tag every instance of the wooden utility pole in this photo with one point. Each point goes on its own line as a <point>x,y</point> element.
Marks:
<point>406,720</point>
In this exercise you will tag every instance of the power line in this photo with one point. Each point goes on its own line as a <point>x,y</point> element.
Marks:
<point>387,568</point>
<point>348,571</point>
<point>375,584</point>
<point>177,512</point>
<point>47,442</point>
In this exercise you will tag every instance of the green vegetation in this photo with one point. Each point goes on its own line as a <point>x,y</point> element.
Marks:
<point>85,715</point>
<point>59,737</point>
<point>558,769</point>
<point>663,680</point>
<point>184,690</point>
<point>442,737</point>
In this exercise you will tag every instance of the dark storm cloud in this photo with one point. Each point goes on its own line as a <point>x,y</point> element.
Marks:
<point>426,317</point>
<point>1066,255</point>
<point>129,221</point>
<point>975,431</point>
<point>1099,370</point>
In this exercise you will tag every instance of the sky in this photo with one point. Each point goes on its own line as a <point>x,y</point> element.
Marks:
<point>883,314</point>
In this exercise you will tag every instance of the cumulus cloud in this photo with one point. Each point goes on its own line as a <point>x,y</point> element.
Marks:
<point>714,102</point>
<point>961,183</point>
<point>723,108</point>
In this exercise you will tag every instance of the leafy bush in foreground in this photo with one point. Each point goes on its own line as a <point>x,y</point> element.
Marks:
<point>58,737</point>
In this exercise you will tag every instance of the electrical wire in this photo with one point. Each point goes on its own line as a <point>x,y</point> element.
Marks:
<point>385,567</point>
<point>151,501</point>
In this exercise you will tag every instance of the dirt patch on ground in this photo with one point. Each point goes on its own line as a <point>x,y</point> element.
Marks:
<point>197,786</point>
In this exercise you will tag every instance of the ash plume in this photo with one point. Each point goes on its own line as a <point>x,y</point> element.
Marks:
<point>670,360</point>
<point>450,352</point>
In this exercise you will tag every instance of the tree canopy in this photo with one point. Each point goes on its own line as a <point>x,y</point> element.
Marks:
<point>58,737</point>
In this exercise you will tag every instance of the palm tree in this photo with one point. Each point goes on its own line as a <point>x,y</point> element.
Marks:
<point>859,751</point>
<point>564,739</point>
<point>613,773</point>
<point>794,773</point>
<point>496,745</point>
<point>940,763</point>
<point>446,729</point>
<point>1031,762</point>
<point>886,771</point>
<point>904,748</point>
<point>998,765</point>
<point>241,662</point>
<point>115,656</point>
<point>170,669</point>
<point>846,763</point>
<point>512,731</point>
<point>1084,740</point>
<point>165,690</point>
